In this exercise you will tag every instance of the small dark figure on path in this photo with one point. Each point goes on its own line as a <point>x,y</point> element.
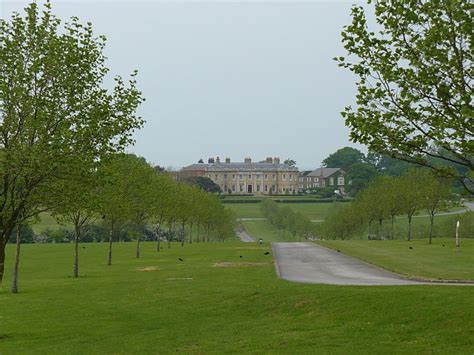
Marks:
<point>260,241</point>
<point>267,253</point>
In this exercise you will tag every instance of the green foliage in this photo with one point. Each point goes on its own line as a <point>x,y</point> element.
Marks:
<point>384,199</point>
<point>26,233</point>
<point>359,175</point>
<point>345,221</point>
<point>414,94</point>
<point>204,183</point>
<point>56,118</point>
<point>287,219</point>
<point>290,162</point>
<point>344,158</point>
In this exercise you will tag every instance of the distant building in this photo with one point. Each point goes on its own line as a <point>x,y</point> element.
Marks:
<point>322,177</point>
<point>246,178</point>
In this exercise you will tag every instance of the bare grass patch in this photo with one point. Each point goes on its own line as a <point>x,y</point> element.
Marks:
<point>238,264</point>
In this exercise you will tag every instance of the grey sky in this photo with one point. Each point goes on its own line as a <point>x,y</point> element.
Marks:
<point>228,79</point>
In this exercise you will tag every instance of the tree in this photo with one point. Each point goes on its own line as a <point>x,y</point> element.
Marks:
<point>411,194</point>
<point>162,197</point>
<point>290,162</point>
<point>436,194</point>
<point>344,158</point>
<point>114,199</point>
<point>54,113</point>
<point>137,181</point>
<point>414,99</point>
<point>373,201</point>
<point>359,175</point>
<point>387,165</point>
<point>204,183</point>
<point>75,202</point>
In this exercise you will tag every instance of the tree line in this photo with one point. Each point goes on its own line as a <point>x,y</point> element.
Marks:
<point>62,142</point>
<point>286,219</point>
<point>387,198</point>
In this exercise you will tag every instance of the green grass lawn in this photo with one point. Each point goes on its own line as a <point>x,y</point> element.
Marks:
<point>423,260</point>
<point>311,210</point>
<point>266,231</point>
<point>195,306</point>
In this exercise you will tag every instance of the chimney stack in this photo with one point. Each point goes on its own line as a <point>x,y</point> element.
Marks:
<point>276,160</point>
<point>248,160</point>
<point>218,160</point>
<point>269,160</point>
<point>227,160</point>
<point>210,161</point>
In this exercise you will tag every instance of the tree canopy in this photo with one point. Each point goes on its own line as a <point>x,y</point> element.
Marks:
<point>344,158</point>
<point>55,115</point>
<point>414,89</point>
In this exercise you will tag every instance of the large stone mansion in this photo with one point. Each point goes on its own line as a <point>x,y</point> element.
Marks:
<point>267,177</point>
<point>253,178</point>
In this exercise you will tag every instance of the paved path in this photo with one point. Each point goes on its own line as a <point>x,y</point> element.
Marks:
<point>244,236</point>
<point>310,263</point>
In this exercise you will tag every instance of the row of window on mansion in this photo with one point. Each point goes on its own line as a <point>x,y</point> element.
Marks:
<point>217,177</point>
<point>259,188</point>
<point>316,180</point>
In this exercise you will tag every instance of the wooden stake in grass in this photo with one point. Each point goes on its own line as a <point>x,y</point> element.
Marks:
<point>457,234</point>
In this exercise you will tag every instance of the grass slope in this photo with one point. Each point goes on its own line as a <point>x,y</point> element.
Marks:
<point>119,309</point>
<point>266,231</point>
<point>311,210</point>
<point>423,260</point>
<point>47,222</point>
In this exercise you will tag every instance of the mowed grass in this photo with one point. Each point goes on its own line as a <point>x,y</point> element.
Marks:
<point>196,307</point>
<point>433,261</point>
<point>316,211</point>
<point>266,231</point>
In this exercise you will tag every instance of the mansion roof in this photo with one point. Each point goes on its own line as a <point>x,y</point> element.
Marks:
<point>241,167</point>
<point>326,172</point>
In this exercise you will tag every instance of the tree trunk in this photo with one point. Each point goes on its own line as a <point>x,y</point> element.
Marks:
<point>169,236</point>
<point>198,236</point>
<point>17,261</point>
<point>158,238</point>
<point>380,228</point>
<point>2,259</point>
<point>182,238</point>
<point>109,262</point>
<point>191,233</point>
<point>137,254</point>
<point>392,231</point>
<point>76,252</point>
<point>431,226</point>
<point>409,228</point>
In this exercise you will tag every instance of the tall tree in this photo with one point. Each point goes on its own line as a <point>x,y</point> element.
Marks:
<point>436,195</point>
<point>415,77</point>
<point>344,158</point>
<point>359,176</point>
<point>54,113</point>
<point>411,195</point>
<point>75,202</point>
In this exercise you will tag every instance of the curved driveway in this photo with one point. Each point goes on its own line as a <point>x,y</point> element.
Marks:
<point>311,263</point>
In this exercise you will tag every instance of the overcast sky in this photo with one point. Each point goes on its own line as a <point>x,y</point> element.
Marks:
<point>228,79</point>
